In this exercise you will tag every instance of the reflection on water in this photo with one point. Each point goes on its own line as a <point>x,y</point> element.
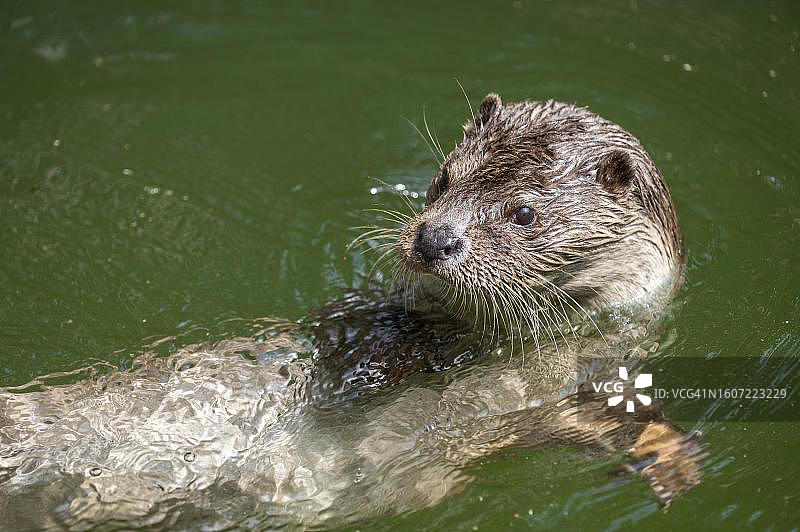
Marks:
<point>379,414</point>
<point>133,446</point>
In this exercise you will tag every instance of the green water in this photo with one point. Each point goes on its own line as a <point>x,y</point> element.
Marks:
<point>168,169</point>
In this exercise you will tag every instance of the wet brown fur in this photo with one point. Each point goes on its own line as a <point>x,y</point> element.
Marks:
<point>605,233</point>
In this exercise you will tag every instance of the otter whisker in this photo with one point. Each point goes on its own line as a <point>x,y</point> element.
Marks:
<point>408,279</point>
<point>413,280</point>
<point>407,291</point>
<point>469,104</point>
<point>526,316</point>
<point>551,321</point>
<point>380,234</point>
<point>517,314</point>
<point>508,307</point>
<point>399,279</point>
<point>461,292</point>
<point>512,313</point>
<point>568,299</point>
<point>373,234</point>
<point>378,248</point>
<point>435,155</point>
<point>501,324</point>
<point>518,305</point>
<point>402,196</point>
<point>585,312</point>
<point>544,310</point>
<point>484,309</point>
<point>395,230</point>
<point>487,315</point>
<point>377,262</point>
<point>564,313</point>
<point>433,140</point>
<point>395,216</point>
<point>532,319</point>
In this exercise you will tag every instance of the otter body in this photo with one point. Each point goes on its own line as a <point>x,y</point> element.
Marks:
<point>542,220</point>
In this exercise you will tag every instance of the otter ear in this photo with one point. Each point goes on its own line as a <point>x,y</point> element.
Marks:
<point>615,172</point>
<point>490,108</point>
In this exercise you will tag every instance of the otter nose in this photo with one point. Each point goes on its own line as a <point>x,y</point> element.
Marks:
<point>437,242</point>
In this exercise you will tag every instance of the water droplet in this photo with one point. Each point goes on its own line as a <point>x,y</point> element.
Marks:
<point>57,142</point>
<point>189,456</point>
<point>95,471</point>
<point>687,67</point>
<point>52,52</point>
<point>373,190</point>
<point>20,22</point>
<point>774,181</point>
<point>127,171</point>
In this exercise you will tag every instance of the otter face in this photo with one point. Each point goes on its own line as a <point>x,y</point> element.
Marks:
<point>543,202</point>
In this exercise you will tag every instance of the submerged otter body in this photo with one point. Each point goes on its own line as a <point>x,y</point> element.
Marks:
<point>542,220</point>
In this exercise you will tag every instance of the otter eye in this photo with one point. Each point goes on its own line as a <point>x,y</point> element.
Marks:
<point>523,216</point>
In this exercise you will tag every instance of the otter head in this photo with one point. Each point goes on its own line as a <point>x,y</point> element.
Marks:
<point>544,202</point>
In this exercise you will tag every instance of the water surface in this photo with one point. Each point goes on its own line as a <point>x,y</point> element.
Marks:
<point>173,170</point>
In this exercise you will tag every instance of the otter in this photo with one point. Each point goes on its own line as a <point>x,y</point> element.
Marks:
<point>547,231</point>
<point>552,198</point>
